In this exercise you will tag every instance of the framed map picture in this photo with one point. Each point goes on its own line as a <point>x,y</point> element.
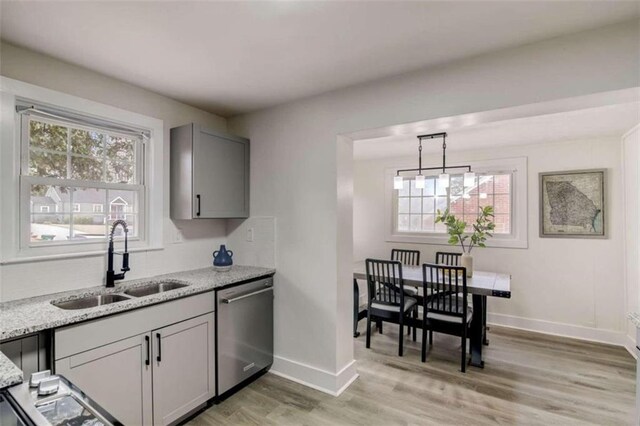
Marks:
<point>572,204</point>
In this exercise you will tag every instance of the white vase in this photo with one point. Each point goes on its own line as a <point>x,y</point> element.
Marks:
<point>466,261</point>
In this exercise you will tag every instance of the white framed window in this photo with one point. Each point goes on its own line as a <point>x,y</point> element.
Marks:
<point>79,161</point>
<point>44,209</point>
<point>76,153</point>
<point>411,212</point>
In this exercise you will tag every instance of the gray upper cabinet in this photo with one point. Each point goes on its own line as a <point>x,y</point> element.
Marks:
<point>209,174</point>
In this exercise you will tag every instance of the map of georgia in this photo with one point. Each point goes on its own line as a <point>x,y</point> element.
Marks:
<point>569,206</point>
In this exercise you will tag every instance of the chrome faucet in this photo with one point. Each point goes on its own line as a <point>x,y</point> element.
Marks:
<point>111,275</point>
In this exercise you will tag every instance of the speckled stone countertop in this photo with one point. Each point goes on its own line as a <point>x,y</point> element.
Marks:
<point>24,316</point>
<point>10,374</point>
<point>635,318</point>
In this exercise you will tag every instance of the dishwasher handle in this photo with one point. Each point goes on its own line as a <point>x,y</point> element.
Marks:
<point>244,296</point>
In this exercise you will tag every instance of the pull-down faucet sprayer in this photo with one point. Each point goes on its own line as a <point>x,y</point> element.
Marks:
<point>111,275</point>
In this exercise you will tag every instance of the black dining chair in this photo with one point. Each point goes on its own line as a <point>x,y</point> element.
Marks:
<point>446,309</point>
<point>448,258</point>
<point>386,300</point>
<point>406,257</point>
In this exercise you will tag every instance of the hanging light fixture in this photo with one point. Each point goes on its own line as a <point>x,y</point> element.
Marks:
<point>443,178</point>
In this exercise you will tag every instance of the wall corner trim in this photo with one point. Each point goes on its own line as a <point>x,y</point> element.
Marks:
<point>316,378</point>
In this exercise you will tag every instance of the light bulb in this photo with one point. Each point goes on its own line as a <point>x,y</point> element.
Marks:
<point>420,182</point>
<point>443,180</point>
<point>469,179</point>
<point>397,182</point>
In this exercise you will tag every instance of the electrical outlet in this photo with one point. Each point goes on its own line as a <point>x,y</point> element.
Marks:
<point>250,235</point>
<point>178,237</point>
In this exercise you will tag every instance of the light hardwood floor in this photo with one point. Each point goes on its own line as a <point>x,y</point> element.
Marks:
<point>528,379</point>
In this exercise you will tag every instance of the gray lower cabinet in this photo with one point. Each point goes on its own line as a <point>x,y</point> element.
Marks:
<point>183,368</point>
<point>154,377</point>
<point>116,376</point>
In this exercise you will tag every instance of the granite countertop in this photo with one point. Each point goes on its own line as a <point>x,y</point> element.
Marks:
<point>635,318</point>
<point>25,316</point>
<point>10,374</point>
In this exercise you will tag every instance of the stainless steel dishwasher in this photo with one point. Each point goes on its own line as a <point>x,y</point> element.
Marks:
<point>245,332</point>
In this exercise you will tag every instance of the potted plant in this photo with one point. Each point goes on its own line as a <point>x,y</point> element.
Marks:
<point>482,228</point>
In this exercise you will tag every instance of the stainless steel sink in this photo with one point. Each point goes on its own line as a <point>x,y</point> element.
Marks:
<point>154,288</point>
<point>90,301</point>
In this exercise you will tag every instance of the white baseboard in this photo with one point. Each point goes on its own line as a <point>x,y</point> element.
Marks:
<point>315,378</point>
<point>611,337</point>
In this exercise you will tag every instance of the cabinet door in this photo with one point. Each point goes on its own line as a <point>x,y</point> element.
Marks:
<point>220,175</point>
<point>183,368</point>
<point>116,376</point>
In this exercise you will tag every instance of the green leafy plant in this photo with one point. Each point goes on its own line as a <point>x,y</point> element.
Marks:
<point>482,228</point>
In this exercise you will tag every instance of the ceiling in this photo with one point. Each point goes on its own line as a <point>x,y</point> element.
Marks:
<point>591,123</point>
<point>236,57</point>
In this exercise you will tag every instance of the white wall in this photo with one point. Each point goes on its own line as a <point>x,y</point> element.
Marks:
<point>296,163</point>
<point>631,163</point>
<point>200,237</point>
<point>566,286</point>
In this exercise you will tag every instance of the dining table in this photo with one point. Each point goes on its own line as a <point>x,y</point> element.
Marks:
<point>481,285</point>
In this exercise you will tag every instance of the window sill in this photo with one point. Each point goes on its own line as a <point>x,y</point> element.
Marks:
<point>49,257</point>
<point>495,242</point>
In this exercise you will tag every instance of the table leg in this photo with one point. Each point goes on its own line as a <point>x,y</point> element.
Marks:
<point>356,306</point>
<point>477,332</point>
<point>485,341</point>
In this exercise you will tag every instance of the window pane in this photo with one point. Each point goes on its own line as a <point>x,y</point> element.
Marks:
<point>416,205</point>
<point>45,164</point>
<point>486,200</point>
<point>430,188</point>
<point>403,205</point>
<point>456,206</point>
<point>469,220</point>
<point>502,184</point>
<point>120,172</point>
<point>49,227</point>
<point>47,136</point>
<point>456,185</point>
<point>428,221</point>
<point>86,224</point>
<point>428,205</point>
<point>503,224</point>
<point>441,203</point>
<point>415,224</point>
<point>119,148</point>
<point>84,142</point>
<point>403,222</point>
<point>502,204</point>
<point>123,205</point>
<point>404,192</point>
<point>486,184</point>
<point>471,204</point>
<point>415,192</point>
<point>84,168</point>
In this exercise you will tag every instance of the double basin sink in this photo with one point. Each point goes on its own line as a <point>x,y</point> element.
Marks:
<point>107,299</point>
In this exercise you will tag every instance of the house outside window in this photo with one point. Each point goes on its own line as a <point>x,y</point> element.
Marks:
<point>98,208</point>
<point>44,209</point>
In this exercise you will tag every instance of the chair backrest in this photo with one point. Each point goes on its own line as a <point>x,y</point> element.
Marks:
<point>384,281</point>
<point>406,257</point>
<point>446,258</point>
<point>445,284</point>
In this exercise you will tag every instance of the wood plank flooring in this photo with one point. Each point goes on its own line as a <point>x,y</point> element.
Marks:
<point>528,379</point>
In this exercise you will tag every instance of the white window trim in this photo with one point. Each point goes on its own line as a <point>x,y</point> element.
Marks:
<point>76,207</point>
<point>99,210</point>
<point>518,236</point>
<point>10,149</point>
<point>42,209</point>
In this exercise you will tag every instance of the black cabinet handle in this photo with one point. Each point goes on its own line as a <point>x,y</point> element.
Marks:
<point>198,198</point>
<point>159,357</point>
<point>148,360</point>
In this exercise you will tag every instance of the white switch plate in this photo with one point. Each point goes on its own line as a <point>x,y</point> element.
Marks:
<point>250,235</point>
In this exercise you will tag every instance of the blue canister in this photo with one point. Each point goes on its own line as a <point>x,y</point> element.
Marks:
<point>222,259</point>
